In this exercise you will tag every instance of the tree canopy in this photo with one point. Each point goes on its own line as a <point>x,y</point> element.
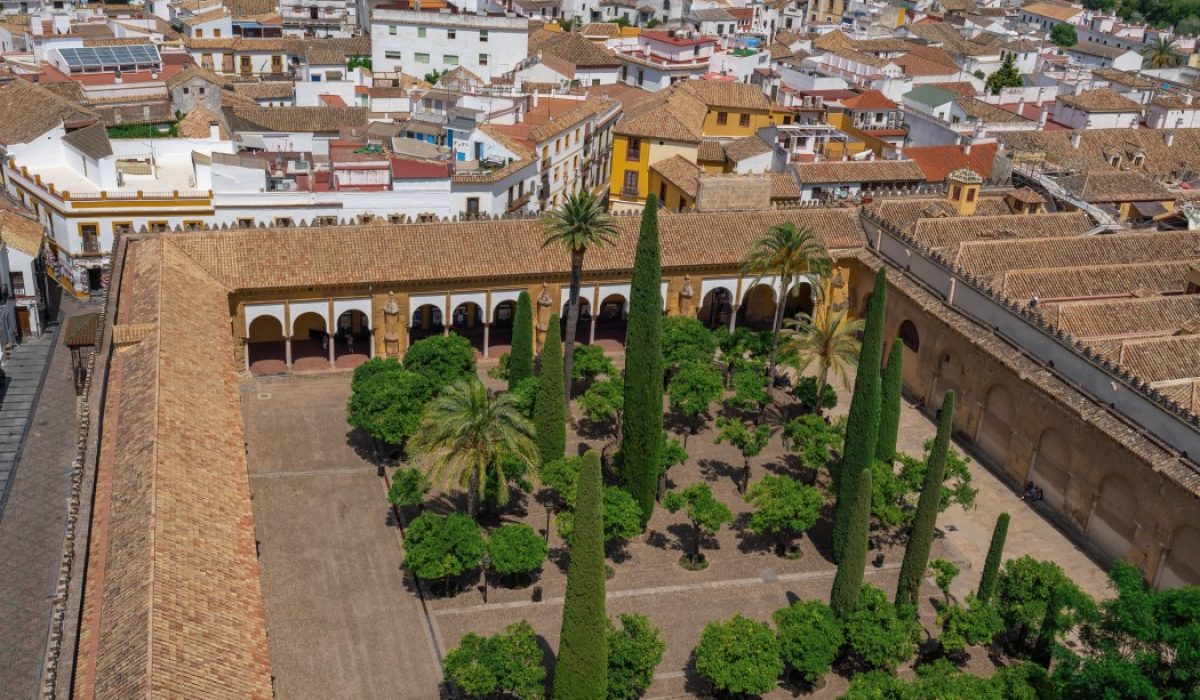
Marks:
<point>878,634</point>
<point>1064,35</point>
<point>516,548</point>
<point>442,547</point>
<point>810,638</point>
<point>685,340</point>
<point>783,507</point>
<point>1005,76</point>
<point>705,513</point>
<point>507,664</point>
<point>387,403</point>
<point>739,656</point>
<point>441,359</point>
<point>634,652</point>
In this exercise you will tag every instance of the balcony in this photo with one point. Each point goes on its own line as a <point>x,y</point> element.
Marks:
<point>519,202</point>
<point>91,246</point>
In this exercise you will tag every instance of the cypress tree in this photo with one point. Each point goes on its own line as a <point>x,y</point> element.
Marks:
<point>581,672</point>
<point>889,404</point>
<point>991,565</point>
<point>643,423</point>
<point>847,583</point>
<point>862,423</point>
<point>520,359</point>
<point>550,406</point>
<point>916,554</point>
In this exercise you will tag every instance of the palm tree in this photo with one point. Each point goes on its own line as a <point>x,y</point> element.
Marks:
<point>464,433</point>
<point>1161,53</point>
<point>580,223</point>
<point>785,252</point>
<point>828,338</point>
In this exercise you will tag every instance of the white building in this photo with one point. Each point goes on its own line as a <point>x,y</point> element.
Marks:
<point>1097,109</point>
<point>322,18</point>
<point>1173,111</point>
<point>1092,54</point>
<point>659,59</point>
<point>417,42</point>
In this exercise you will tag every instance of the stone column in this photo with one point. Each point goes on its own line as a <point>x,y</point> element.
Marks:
<point>372,350</point>
<point>287,350</point>
<point>332,348</point>
<point>592,332</point>
<point>733,311</point>
<point>245,346</point>
<point>487,327</point>
<point>391,327</point>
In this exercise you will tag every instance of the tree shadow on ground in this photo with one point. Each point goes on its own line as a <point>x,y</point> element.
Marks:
<point>549,660</point>
<point>367,450</point>
<point>675,423</point>
<point>594,430</point>
<point>821,535</point>
<point>560,557</point>
<point>694,684</point>
<point>658,540</point>
<point>683,534</point>
<point>748,541</point>
<point>715,470</point>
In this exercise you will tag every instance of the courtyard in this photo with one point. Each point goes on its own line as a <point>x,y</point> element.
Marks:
<point>345,620</point>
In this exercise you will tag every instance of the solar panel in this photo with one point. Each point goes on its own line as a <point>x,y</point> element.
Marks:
<point>110,56</point>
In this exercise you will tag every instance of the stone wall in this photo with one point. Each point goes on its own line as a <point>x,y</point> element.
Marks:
<point>729,192</point>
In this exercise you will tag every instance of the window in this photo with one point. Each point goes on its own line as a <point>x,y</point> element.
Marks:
<point>722,118</point>
<point>421,57</point>
<point>391,30</point>
<point>595,82</point>
<point>450,60</point>
<point>451,34</point>
<point>1138,160</point>
<point>631,183</point>
<point>186,90</point>
<point>633,151</point>
<point>744,120</point>
<point>216,33</point>
<point>200,90</point>
<point>159,226</point>
<point>199,33</point>
<point>399,56</point>
<point>1115,161</point>
<point>283,221</point>
<point>17,281</point>
<point>557,146</point>
<point>90,234</point>
<point>122,227</point>
<point>483,36</point>
<point>662,192</point>
<point>472,206</point>
<point>956,193</point>
<point>420,32</point>
<point>245,223</point>
<point>483,59</point>
<point>971,195</point>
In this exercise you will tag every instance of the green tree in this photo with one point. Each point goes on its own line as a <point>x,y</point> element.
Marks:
<point>561,476</point>
<point>524,394</point>
<point>1032,593</point>
<point>1005,76</point>
<point>847,582</point>
<point>604,401</point>
<point>739,657</point>
<point>748,440</point>
<point>578,224</point>
<point>691,390</point>
<point>879,635</point>
<point>387,405</point>
<point>507,665</point>
<point>464,433</point>
<point>372,367</point>
<point>500,371</point>
<point>442,547</point>
<point>785,252</point>
<point>975,625</point>
<point>1063,35</point>
<point>550,408</point>
<point>622,517</point>
<point>805,393</point>
<point>516,550</point>
<point>520,359</point>
<point>409,487</point>
<point>1188,26</point>
<point>810,638</point>
<point>643,414</point>
<point>785,508</point>
<point>1160,53</point>
<point>828,339</point>
<point>750,392</point>
<point>942,680</point>
<point>812,438</point>
<point>1105,6</point>
<point>685,340</point>
<point>889,405</point>
<point>704,512</point>
<point>591,362</point>
<point>991,565</point>
<point>441,359</point>
<point>903,488</point>
<point>581,670</point>
<point>634,651</point>
<point>944,573</point>
<point>862,423</point>
<point>920,539</point>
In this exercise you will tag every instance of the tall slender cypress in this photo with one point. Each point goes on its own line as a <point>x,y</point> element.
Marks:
<point>581,672</point>
<point>889,404</point>
<point>550,405</point>
<point>862,423</point>
<point>991,565</point>
<point>920,539</point>
<point>520,359</point>
<point>847,582</point>
<point>643,423</point>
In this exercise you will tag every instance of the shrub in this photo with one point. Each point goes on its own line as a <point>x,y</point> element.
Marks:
<point>739,656</point>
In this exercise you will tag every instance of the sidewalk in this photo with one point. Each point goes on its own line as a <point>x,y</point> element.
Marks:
<point>25,371</point>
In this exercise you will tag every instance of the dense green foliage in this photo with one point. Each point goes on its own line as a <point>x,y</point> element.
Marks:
<point>878,634</point>
<point>409,486</point>
<point>581,670</point>
<point>889,405</point>
<point>550,407</point>
<point>805,392</point>
<point>991,566</point>
<point>143,131</point>
<point>643,414</point>
<point>920,538</point>
<point>441,359</point>
<point>828,339</point>
<point>977,624</point>
<point>604,401</point>
<point>685,341</point>
<point>591,362</point>
<point>895,493</point>
<point>520,358</point>
<point>372,367</point>
<point>1007,75</point>
<point>705,513</point>
<point>739,657</point>
<point>506,665</point>
<point>387,402</point>
<point>692,389</point>
<point>525,395</point>
<point>940,680</point>
<point>634,652</point>
<point>944,573</point>
<point>847,582</point>
<point>1064,35</point>
<point>622,517</point>
<point>812,438</point>
<point>442,547</point>
<point>516,548</point>
<point>749,441</point>
<point>561,476</point>
<point>750,393</point>
<point>810,638</point>
<point>1032,593</point>
<point>862,423</point>
<point>785,508</point>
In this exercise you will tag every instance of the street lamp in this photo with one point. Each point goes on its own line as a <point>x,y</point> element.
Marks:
<point>487,563</point>
<point>549,512</point>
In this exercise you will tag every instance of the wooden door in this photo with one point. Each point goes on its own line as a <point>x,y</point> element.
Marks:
<point>23,320</point>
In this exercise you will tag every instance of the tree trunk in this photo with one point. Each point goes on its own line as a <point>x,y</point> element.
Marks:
<point>822,382</point>
<point>695,554</point>
<point>745,476</point>
<point>473,495</point>
<point>785,282</point>
<point>572,320</point>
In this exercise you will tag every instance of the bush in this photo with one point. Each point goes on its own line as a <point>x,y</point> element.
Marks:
<point>508,664</point>
<point>524,394</point>
<point>878,634</point>
<point>813,439</point>
<point>591,362</point>
<point>685,340</point>
<point>739,656</point>
<point>409,487</point>
<point>500,371</point>
<point>634,651</point>
<point>622,517</point>
<point>561,477</point>
<point>810,638</point>
<point>441,359</point>
<point>975,625</point>
<point>516,549</point>
<point>388,403</point>
<point>442,547</point>
<point>805,392</point>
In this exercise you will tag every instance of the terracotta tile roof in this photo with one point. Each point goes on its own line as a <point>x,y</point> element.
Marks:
<point>92,141</point>
<point>1115,318</point>
<point>411,253</point>
<point>1099,101</point>
<point>740,149</point>
<point>1121,77</point>
<point>1111,187</point>
<point>784,187</point>
<point>251,8</point>
<point>710,150</point>
<point>294,119</point>
<point>921,67</point>
<point>671,115</point>
<point>680,172</point>
<point>68,89</point>
<point>936,162</point>
<point>610,30</point>
<point>850,171</point>
<point>265,89</point>
<point>1061,13</point>
<point>28,111</point>
<point>869,100</point>
<point>21,231</point>
<point>1174,100</point>
<point>833,41</point>
<point>988,113</point>
<point>1160,359</point>
<point>949,233</point>
<point>883,45</point>
<point>1094,48</point>
<point>904,212</point>
<point>1094,281</point>
<point>193,71</point>
<point>585,110</point>
<point>202,17</point>
<point>1186,394</point>
<point>1097,145</point>
<point>990,258</point>
<point>572,48</point>
<point>1027,195</point>
<point>964,89</point>
<point>195,124</point>
<point>721,94</point>
<point>172,602</point>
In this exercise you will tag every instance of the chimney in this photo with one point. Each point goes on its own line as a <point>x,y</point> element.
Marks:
<point>1076,138</point>
<point>966,149</point>
<point>1187,98</point>
<point>1045,115</point>
<point>1021,105</point>
<point>214,131</point>
<point>899,152</point>
<point>535,98</point>
<point>1169,138</point>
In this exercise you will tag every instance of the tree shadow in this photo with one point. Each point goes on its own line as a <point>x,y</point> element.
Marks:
<point>658,540</point>
<point>560,557</point>
<point>365,448</point>
<point>821,535</point>
<point>617,551</point>
<point>683,534</point>
<point>675,423</point>
<point>694,684</point>
<point>715,470</point>
<point>748,540</point>
<point>594,430</point>
<point>549,660</point>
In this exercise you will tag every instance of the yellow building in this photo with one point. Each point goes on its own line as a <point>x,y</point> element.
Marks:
<point>675,122</point>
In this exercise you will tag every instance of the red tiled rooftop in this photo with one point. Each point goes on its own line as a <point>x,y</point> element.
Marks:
<point>404,169</point>
<point>333,101</point>
<point>936,162</point>
<point>869,100</point>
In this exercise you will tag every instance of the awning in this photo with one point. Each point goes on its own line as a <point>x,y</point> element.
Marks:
<point>81,331</point>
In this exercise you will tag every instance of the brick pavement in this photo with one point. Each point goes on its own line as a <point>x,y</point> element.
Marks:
<point>34,521</point>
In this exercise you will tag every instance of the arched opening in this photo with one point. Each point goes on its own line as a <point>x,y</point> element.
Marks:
<point>1113,521</point>
<point>799,300</point>
<point>912,355</point>
<point>995,425</point>
<point>503,316</point>
<point>715,308</point>
<point>583,327</point>
<point>611,317</point>
<point>467,321</point>
<point>1051,469</point>
<point>758,308</point>
<point>1180,565</point>
<point>265,346</point>
<point>352,339</point>
<point>426,321</point>
<point>310,342</point>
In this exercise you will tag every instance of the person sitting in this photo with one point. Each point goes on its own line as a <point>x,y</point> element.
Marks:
<point>1030,489</point>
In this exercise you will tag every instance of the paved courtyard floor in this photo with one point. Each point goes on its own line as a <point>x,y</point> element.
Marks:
<point>345,621</point>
